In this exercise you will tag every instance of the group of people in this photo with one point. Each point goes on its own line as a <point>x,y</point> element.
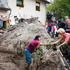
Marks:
<point>60,28</point>
<point>54,23</point>
<point>64,39</point>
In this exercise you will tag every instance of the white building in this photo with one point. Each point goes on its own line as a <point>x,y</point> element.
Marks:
<point>23,9</point>
<point>28,8</point>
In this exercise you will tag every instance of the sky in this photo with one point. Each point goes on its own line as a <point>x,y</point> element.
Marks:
<point>50,0</point>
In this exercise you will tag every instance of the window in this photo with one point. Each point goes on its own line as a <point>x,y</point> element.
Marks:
<point>37,5</point>
<point>20,3</point>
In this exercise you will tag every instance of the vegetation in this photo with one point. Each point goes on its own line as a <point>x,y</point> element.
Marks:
<point>60,7</point>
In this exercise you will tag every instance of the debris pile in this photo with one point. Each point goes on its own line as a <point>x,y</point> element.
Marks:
<point>19,36</point>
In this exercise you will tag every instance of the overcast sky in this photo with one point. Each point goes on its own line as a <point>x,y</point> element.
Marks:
<point>50,0</point>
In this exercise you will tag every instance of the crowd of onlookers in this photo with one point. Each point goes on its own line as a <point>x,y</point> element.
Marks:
<point>54,23</point>
<point>60,27</point>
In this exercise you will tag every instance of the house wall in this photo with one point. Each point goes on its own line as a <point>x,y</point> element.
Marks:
<point>3,3</point>
<point>29,10</point>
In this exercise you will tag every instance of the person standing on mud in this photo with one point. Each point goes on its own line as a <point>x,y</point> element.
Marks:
<point>33,45</point>
<point>49,18</point>
<point>64,40</point>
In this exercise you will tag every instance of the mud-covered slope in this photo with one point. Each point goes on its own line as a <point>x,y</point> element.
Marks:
<point>19,36</point>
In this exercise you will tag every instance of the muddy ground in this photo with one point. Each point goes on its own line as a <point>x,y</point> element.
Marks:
<point>19,36</point>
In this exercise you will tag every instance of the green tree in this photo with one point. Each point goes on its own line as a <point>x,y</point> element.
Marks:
<point>60,7</point>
